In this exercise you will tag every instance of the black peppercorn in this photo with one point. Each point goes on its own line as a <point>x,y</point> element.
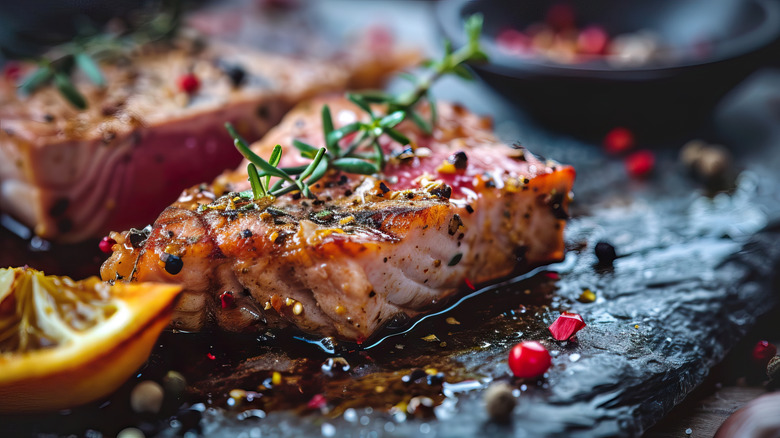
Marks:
<point>173,264</point>
<point>415,375</point>
<point>459,160</point>
<point>435,379</point>
<point>605,253</point>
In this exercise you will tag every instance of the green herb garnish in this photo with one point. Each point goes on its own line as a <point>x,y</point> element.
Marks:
<point>91,46</point>
<point>363,155</point>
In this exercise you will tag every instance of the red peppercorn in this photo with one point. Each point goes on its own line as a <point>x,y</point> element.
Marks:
<point>189,83</point>
<point>317,402</point>
<point>618,140</point>
<point>529,359</point>
<point>513,41</point>
<point>762,352</point>
<point>640,164</point>
<point>227,299</point>
<point>106,245</point>
<point>593,40</point>
<point>12,71</point>
<point>566,326</point>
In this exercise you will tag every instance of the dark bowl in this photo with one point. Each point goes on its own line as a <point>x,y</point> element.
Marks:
<point>664,98</point>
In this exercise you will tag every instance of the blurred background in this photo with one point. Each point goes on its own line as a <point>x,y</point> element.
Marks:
<point>658,68</point>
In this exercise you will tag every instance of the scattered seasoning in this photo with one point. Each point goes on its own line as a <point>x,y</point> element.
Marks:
<point>763,351</point>
<point>469,208</point>
<point>442,191</point>
<point>455,259</point>
<point>297,308</point>
<point>188,83</point>
<point>552,275</point>
<point>414,375</point>
<point>246,234</point>
<point>420,406</point>
<point>529,359</point>
<point>138,237</point>
<point>211,356</point>
<point>435,379</point>
<point>640,164</point>
<point>618,140</point>
<point>235,73</point>
<point>323,215</point>
<point>335,364</point>
<point>237,395</point>
<point>383,187</point>
<point>106,245</point>
<point>174,384</point>
<point>593,40</point>
<point>566,326</point>
<point>469,284</point>
<point>276,378</point>
<point>499,402</point>
<point>130,432</point>
<point>147,396</point>
<point>431,338</point>
<point>605,252</point>
<point>587,296</point>
<point>173,263</point>
<point>12,71</point>
<point>773,369</point>
<point>452,321</point>
<point>227,299</point>
<point>459,160</point>
<point>455,223</point>
<point>317,402</point>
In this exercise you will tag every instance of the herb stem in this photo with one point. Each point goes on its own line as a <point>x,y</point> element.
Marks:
<point>364,155</point>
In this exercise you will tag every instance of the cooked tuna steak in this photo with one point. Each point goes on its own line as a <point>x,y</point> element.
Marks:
<point>72,174</point>
<point>459,207</point>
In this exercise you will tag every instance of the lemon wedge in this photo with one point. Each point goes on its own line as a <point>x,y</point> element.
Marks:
<point>64,343</point>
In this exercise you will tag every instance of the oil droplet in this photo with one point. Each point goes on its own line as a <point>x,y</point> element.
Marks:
<point>350,415</point>
<point>328,429</point>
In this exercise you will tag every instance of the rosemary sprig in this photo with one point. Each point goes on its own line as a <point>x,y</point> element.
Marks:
<point>315,169</point>
<point>87,49</point>
<point>363,154</point>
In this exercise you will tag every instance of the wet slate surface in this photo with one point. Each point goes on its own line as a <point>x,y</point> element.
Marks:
<point>693,275</point>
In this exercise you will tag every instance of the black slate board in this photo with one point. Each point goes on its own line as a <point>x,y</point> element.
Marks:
<point>693,275</point>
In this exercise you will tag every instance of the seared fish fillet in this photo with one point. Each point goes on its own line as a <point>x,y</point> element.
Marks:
<point>460,207</point>
<point>70,174</point>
